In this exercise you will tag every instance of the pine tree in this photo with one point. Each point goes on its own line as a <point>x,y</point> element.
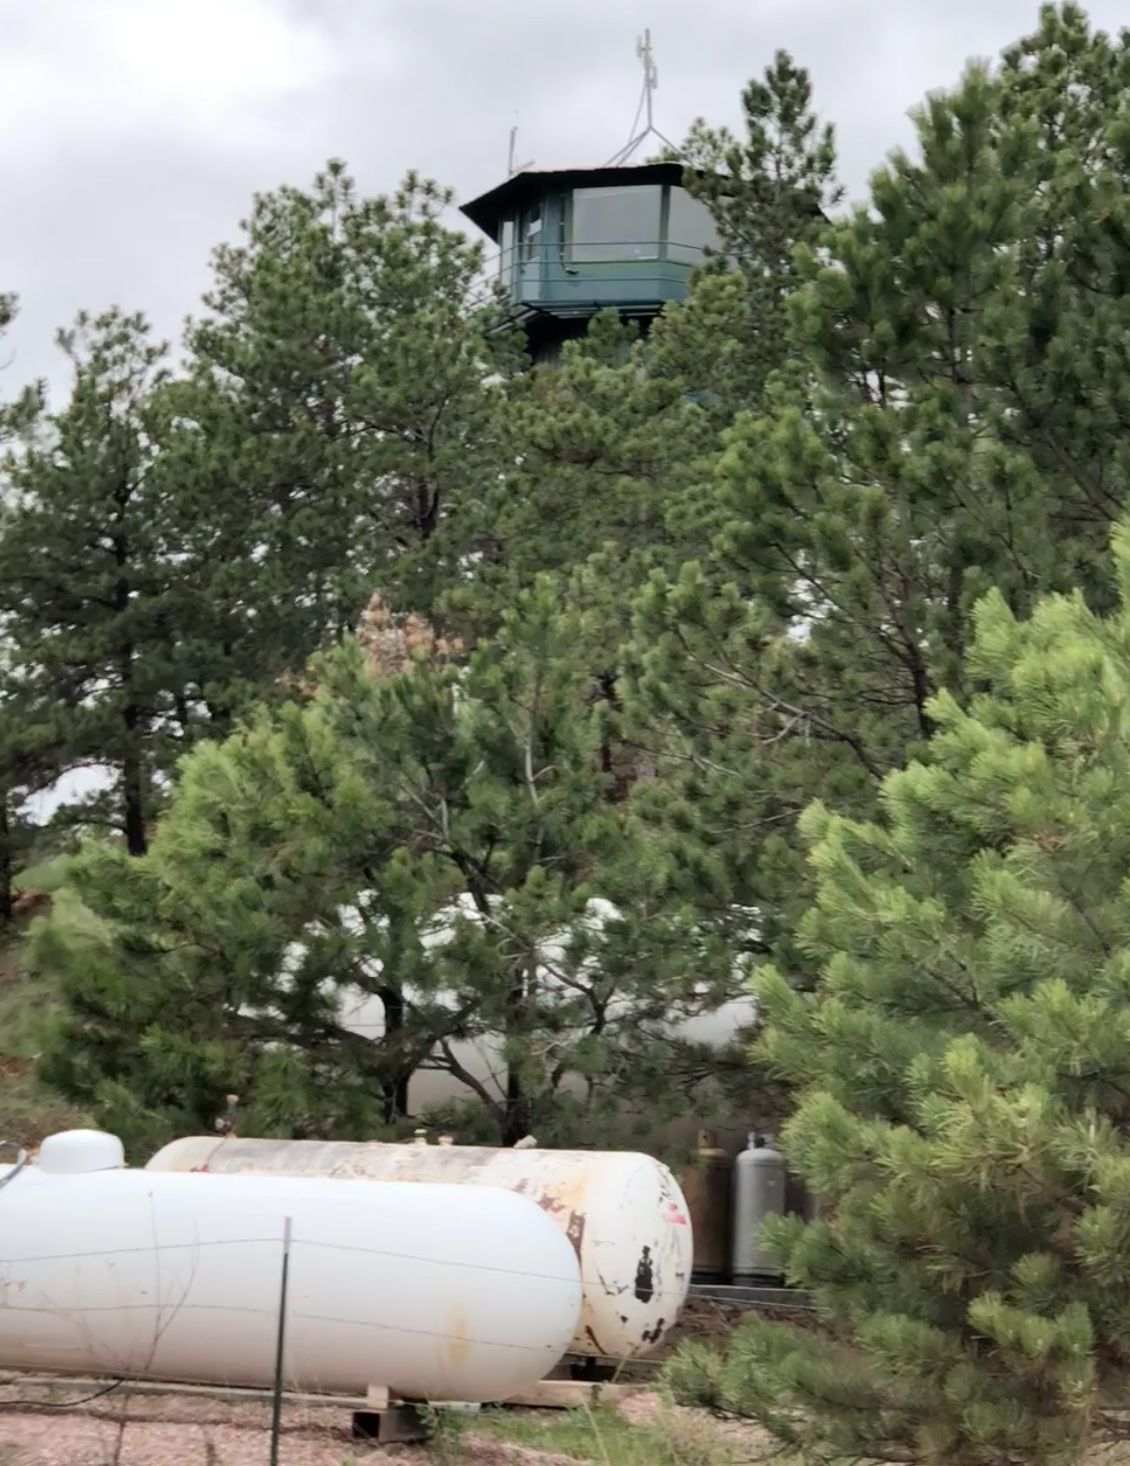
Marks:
<point>963,1075</point>
<point>29,765</point>
<point>427,832</point>
<point>337,406</point>
<point>952,419</point>
<point>91,590</point>
<point>13,764</point>
<point>769,194</point>
<point>592,452</point>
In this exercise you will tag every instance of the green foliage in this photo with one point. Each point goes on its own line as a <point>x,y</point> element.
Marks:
<point>963,1076</point>
<point>28,1109</point>
<point>22,743</point>
<point>91,593</point>
<point>593,451</point>
<point>438,840</point>
<point>768,194</point>
<point>665,1438</point>
<point>951,419</point>
<point>170,548</point>
<point>335,414</point>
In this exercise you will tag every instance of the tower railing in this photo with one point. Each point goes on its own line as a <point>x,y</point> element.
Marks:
<point>551,274</point>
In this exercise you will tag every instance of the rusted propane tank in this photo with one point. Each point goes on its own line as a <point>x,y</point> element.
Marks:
<point>623,1213</point>
<point>435,1292</point>
<point>706,1186</point>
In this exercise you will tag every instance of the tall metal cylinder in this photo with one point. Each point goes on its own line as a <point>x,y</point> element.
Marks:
<point>706,1184</point>
<point>759,1193</point>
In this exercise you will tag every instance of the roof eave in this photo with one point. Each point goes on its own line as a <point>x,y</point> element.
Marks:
<point>487,210</point>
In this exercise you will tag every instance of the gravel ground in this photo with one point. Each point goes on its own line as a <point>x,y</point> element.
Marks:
<point>125,1429</point>
<point>131,1429</point>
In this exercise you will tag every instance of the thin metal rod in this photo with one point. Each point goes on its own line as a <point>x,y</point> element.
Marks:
<point>646,106</point>
<point>18,1165</point>
<point>276,1402</point>
<point>650,77</point>
<point>619,159</point>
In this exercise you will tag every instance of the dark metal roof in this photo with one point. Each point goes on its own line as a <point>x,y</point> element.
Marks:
<point>489,209</point>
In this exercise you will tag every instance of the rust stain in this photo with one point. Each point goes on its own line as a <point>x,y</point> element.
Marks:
<point>575,1231</point>
<point>458,1344</point>
<point>574,1227</point>
<point>572,1194</point>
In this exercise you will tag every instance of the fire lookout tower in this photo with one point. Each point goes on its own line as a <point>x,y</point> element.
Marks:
<point>575,241</point>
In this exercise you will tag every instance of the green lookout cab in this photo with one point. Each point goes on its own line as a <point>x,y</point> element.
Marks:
<point>576,241</point>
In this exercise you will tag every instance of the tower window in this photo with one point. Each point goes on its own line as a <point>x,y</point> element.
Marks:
<point>506,249</point>
<point>616,223</point>
<point>531,236</point>
<point>690,228</point>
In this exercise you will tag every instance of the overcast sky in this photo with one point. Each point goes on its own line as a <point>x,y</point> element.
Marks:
<point>135,131</point>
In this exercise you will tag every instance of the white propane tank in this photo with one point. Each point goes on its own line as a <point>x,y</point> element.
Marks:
<point>623,1213</point>
<point>759,1192</point>
<point>436,1292</point>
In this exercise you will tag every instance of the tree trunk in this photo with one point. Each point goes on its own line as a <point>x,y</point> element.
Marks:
<point>133,780</point>
<point>517,1120</point>
<point>516,1117</point>
<point>394,1092</point>
<point>133,766</point>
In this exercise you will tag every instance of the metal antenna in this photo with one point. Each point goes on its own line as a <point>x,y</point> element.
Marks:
<point>650,71</point>
<point>511,166</point>
<point>645,108</point>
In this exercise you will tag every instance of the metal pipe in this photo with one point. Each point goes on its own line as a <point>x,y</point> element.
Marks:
<point>280,1347</point>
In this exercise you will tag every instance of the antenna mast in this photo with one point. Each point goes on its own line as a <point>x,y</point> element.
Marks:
<point>645,107</point>
<point>511,166</point>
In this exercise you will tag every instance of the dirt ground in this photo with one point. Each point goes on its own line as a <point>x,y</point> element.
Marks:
<point>713,1320</point>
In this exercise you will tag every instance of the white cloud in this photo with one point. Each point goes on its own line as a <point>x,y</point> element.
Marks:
<point>194,64</point>
<point>213,57</point>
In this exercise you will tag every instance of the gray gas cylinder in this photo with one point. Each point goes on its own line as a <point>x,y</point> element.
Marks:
<point>759,1193</point>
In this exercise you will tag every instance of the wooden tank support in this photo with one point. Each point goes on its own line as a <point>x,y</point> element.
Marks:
<point>395,1422</point>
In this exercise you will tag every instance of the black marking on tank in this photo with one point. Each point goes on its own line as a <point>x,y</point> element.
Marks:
<point>645,1277</point>
<point>595,1341</point>
<point>652,1336</point>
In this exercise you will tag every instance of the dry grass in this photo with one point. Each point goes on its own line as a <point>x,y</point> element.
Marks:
<point>644,1432</point>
